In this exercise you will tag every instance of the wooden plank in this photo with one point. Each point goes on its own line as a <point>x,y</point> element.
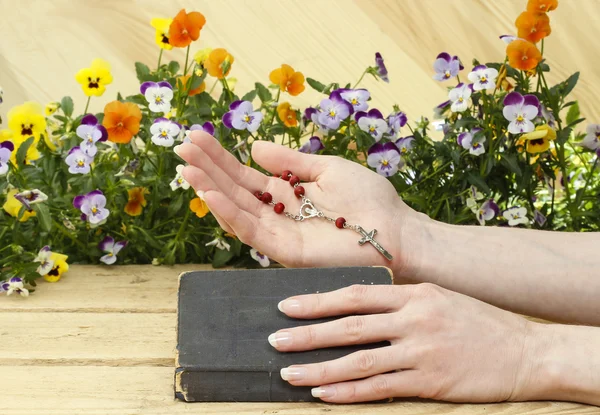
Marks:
<point>102,339</point>
<point>100,289</point>
<point>31,390</point>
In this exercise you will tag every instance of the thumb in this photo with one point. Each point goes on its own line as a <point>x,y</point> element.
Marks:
<point>276,158</point>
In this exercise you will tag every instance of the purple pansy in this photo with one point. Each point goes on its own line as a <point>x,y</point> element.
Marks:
<point>483,78</point>
<point>158,95</point>
<point>6,148</point>
<point>373,123</point>
<point>262,259</point>
<point>31,197</point>
<point>333,111</point>
<point>356,97</point>
<point>78,161</point>
<point>242,116</point>
<point>92,206</point>
<point>592,138</point>
<point>404,144</point>
<point>179,182</point>
<point>111,248</point>
<point>14,285</point>
<point>396,121</point>
<point>381,69</point>
<point>312,114</point>
<point>207,127</point>
<point>164,132</point>
<point>459,97</point>
<point>91,132</point>
<point>446,67</point>
<point>312,146</point>
<point>487,211</point>
<point>516,215</point>
<point>520,110</point>
<point>468,142</point>
<point>385,158</point>
<point>438,112</point>
<point>548,116</point>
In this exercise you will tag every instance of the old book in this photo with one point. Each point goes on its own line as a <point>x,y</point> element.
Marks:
<point>224,319</point>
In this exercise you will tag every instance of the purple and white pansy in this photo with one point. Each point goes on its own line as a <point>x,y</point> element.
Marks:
<point>438,112</point>
<point>158,95</point>
<point>356,97</point>
<point>14,285</point>
<point>592,138</point>
<point>548,116</point>
<point>469,141</point>
<point>241,116</point>
<point>262,259</point>
<point>385,158</point>
<point>516,216</point>
<point>312,114</point>
<point>508,38</point>
<point>164,132</point>
<point>6,149</point>
<point>179,182</point>
<point>483,78</point>
<point>31,197</point>
<point>460,97</point>
<point>381,69</point>
<point>372,122</point>
<point>207,127</point>
<point>92,207</point>
<point>220,243</point>
<point>334,110</point>
<point>446,67</point>
<point>111,248</point>
<point>312,146</point>
<point>520,110</point>
<point>91,132</point>
<point>79,162</point>
<point>396,121</point>
<point>43,257</point>
<point>405,144</point>
<point>487,211</point>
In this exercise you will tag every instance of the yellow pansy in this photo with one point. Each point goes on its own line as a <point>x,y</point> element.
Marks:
<point>199,207</point>
<point>538,140</point>
<point>12,206</point>
<point>94,79</point>
<point>51,139</point>
<point>26,121</point>
<point>60,267</point>
<point>202,55</point>
<point>51,108</point>
<point>162,32</point>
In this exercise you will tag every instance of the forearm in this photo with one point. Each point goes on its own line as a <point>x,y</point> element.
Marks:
<point>553,275</point>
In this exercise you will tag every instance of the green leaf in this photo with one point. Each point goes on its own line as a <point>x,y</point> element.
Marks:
<point>510,162</point>
<point>263,92</point>
<point>250,96</point>
<point>175,205</point>
<point>574,123</point>
<point>277,129</point>
<point>563,135</point>
<point>22,152</point>
<point>66,104</point>
<point>570,84</point>
<point>221,258</point>
<point>43,215</point>
<point>573,113</point>
<point>173,67</point>
<point>196,82</point>
<point>137,99</point>
<point>316,85</point>
<point>477,181</point>
<point>142,71</point>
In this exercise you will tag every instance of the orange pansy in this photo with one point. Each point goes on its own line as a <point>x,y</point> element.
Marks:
<point>523,55</point>
<point>287,115</point>
<point>199,207</point>
<point>122,121</point>
<point>185,28</point>
<point>288,80</point>
<point>542,6</point>
<point>533,26</point>
<point>136,202</point>
<point>216,61</point>
<point>182,81</point>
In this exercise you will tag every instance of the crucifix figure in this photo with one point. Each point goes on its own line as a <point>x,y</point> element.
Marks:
<point>370,237</point>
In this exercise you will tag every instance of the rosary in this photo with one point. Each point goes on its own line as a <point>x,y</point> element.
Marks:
<point>309,211</point>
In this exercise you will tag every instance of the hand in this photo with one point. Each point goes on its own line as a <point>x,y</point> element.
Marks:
<point>338,187</point>
<point>444,346</point>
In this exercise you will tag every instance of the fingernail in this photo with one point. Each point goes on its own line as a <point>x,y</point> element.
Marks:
<point>200,194</point>
<point>323,392</point>
<point>293,373</point>
<point>280,339</point>
<point>176,149</point>
<point>289,306</point>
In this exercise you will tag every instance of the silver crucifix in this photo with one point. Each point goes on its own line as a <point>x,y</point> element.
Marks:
<point>370,237</point>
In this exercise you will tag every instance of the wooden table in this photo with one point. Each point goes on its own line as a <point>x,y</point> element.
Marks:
<point>102,340</point>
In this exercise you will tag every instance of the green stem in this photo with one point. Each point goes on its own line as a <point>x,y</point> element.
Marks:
<point>159,59</point>
<point>429,176</point>
<point>360,79</point>
<point>213,87</point>
<point>187,56</point>
<point>87,105</point>
<point>182,227</point>
<point>68,235</point>
<point>274,109</point>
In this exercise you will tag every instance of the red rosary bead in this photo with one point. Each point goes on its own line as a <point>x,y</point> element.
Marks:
<point>258,194</point>
<point>294,180</point>
<point>286,175</point>
<point>340,222</point>
<point>279,208</point>
<point>267,198</point>
<point>299,191</point>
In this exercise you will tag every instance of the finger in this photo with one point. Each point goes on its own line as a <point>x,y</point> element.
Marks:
<point>355,299</point>
<point>277,158</point>
<point>359,365</point>
<point>244,176</point>
<point>349,330</point>
<point>407,383</point>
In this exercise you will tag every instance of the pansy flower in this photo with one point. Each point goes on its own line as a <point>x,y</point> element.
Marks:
<point>312,114</point>
<point>262,259</point>
<point>59,267</point>
<point>31,197</point>
<point>46,263</point>
<point>533,26</point>
<point>396,121</point>
<point>13,206</point>
<point>538,140</point>
<point>381,69</point>
<point>333,111</point>
<point>357,97</point>
<point>91,132</point>
<point>509,38</point>
<point>179,182</point>
<point>162,32</point>
<point>548,116</point>
<point>468,142</point>
<point>164,132</point>
<point>483,78</point>
<point>385,158</point>
<point>446,67</point>
<point>520,110</point>
<point>592,138</point>
<point>312,146</point>
<point>6,149</point>
<point>516,216</point>
<point>182,85</point>
<point>202,55</point>
<point>185,28</point>
<point>372,122</point>
<point>14,285</point>
<point>111,248</point>
<point>94,79</point>
<point>79,162</point>
<point>51,108</point>
<point>136,201</point>
<point>122,121</point>
<point>287,115</point>
<point>242,116</point>
<point>404,144</point>
<point>542,6</point>
<point>220,243</point>
<point>158,95</point>
<point>92,207</point>
<point>459,97</point>
<point>207,127</point>
<point>487,211</point>
<point>438,112</point>
<point>199,207</point>
<point>523,55</point>
<point>26,121</point>
<point>219,62</point>
<point>288,80</point>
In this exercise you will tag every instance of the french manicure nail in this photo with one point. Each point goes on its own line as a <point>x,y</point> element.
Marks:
<point>200,194</point>
<point>176,149</point>
<point>323,392</point>
<point>289,306</point>
<point>280,339</point>
<point>293,373</point>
